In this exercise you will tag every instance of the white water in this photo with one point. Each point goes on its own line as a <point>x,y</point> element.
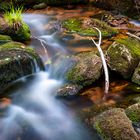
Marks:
<point>35,113</point>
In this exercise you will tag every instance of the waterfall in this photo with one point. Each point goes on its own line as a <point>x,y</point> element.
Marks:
<point>34,112</point>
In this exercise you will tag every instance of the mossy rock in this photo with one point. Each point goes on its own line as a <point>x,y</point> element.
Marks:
<point>17,61</point>
<point>136,75</point>
<point>133,112</point>
<point>17,31</point>
<point>123,56</point>
<point>84,27</point>
<point>4,39</point>
<point>113,124</point>
<point>86,70</point>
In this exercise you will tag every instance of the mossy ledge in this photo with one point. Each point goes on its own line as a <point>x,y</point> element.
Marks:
<point>84,27</point>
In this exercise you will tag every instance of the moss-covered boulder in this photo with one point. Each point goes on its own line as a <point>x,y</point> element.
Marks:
<point>86,69</point>
<point>123,56</point>
<point>17,31</point>
<point>136,75</point>
<point>17,61</point>
<point>84,27</point>
<point>5,39</point>
<point>115,125</point>
<point>133,112</point>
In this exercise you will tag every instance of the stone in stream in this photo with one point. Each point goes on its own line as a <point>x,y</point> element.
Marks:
<point>113,124</point>
<point>123,56</point>
<point>136,75</point>
<point>133,112</point>
<point>16,61</point>
<point>86,70</point>
<point>79,70</point>
<point>69,90</point>
<point>40,6</point>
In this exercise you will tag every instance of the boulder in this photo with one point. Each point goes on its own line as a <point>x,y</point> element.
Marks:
<point>133,112</point>
<point>16,61</point>
<point>123,56</point>
<point>136,75</point>
<point>113,124</point>
<point>86,69</point>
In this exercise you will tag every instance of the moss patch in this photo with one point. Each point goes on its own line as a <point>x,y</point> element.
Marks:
<point>78,26</point>
<point>133,112</point>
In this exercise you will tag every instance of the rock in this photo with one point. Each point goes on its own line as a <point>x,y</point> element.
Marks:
<point>123,56</point>
<point>136,100</point>
<point>86,70</point>
<point>114,125</point>
<point>40,6</point>
<point>69,90</point>
<point>136,75</point>
<point>17,61</point>
<point>17,31</point>
<point>84,27</point>
<point>133,112</point>
<point>4,39</point>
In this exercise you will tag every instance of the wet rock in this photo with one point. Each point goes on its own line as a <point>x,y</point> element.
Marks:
<point>18,31</point>
<point>123,56</point>
<point>17,61</point>
<point>86,70</point>
<point>40,6</point>
<point>136,75</point>
<point>4,39</point>
<point>133,112</point>
<point>69,90</point>
<point>84,27</point>
<point>114,125</point>
<point>136,100</point>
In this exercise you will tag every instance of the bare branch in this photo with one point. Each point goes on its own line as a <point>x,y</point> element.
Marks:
<point>132,35</point>
<point>103,60</point>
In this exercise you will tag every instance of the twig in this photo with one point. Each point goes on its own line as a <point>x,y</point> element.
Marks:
<point>132,35</point>
<point>103,60</point>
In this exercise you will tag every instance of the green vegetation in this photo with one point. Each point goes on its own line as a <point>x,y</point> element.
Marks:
<point>75,25</point>
<point>133,112</point>
<point>132,44</point>
<point>14,15</point>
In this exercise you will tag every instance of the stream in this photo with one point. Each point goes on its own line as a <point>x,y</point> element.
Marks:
<point>34,112</point>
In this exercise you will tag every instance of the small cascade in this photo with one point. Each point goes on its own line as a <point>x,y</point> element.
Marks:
<point>34,112</point>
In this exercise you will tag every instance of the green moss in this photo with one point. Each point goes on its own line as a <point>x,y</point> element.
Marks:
<point>76,26</point>
<point>133,112</point>
<point>99,130</point>
<point>4,39</point>
<point>22,34</point>
<point>132,44</point>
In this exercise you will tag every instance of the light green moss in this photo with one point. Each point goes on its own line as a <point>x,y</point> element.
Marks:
<point>132,44</point>
<point>133,112</point>
<point>76,26</point>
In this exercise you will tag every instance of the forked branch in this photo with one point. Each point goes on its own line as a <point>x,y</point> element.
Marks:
<point>98,45</point>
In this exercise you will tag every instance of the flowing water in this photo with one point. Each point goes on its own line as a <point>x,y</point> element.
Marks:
<point>32,111</point>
